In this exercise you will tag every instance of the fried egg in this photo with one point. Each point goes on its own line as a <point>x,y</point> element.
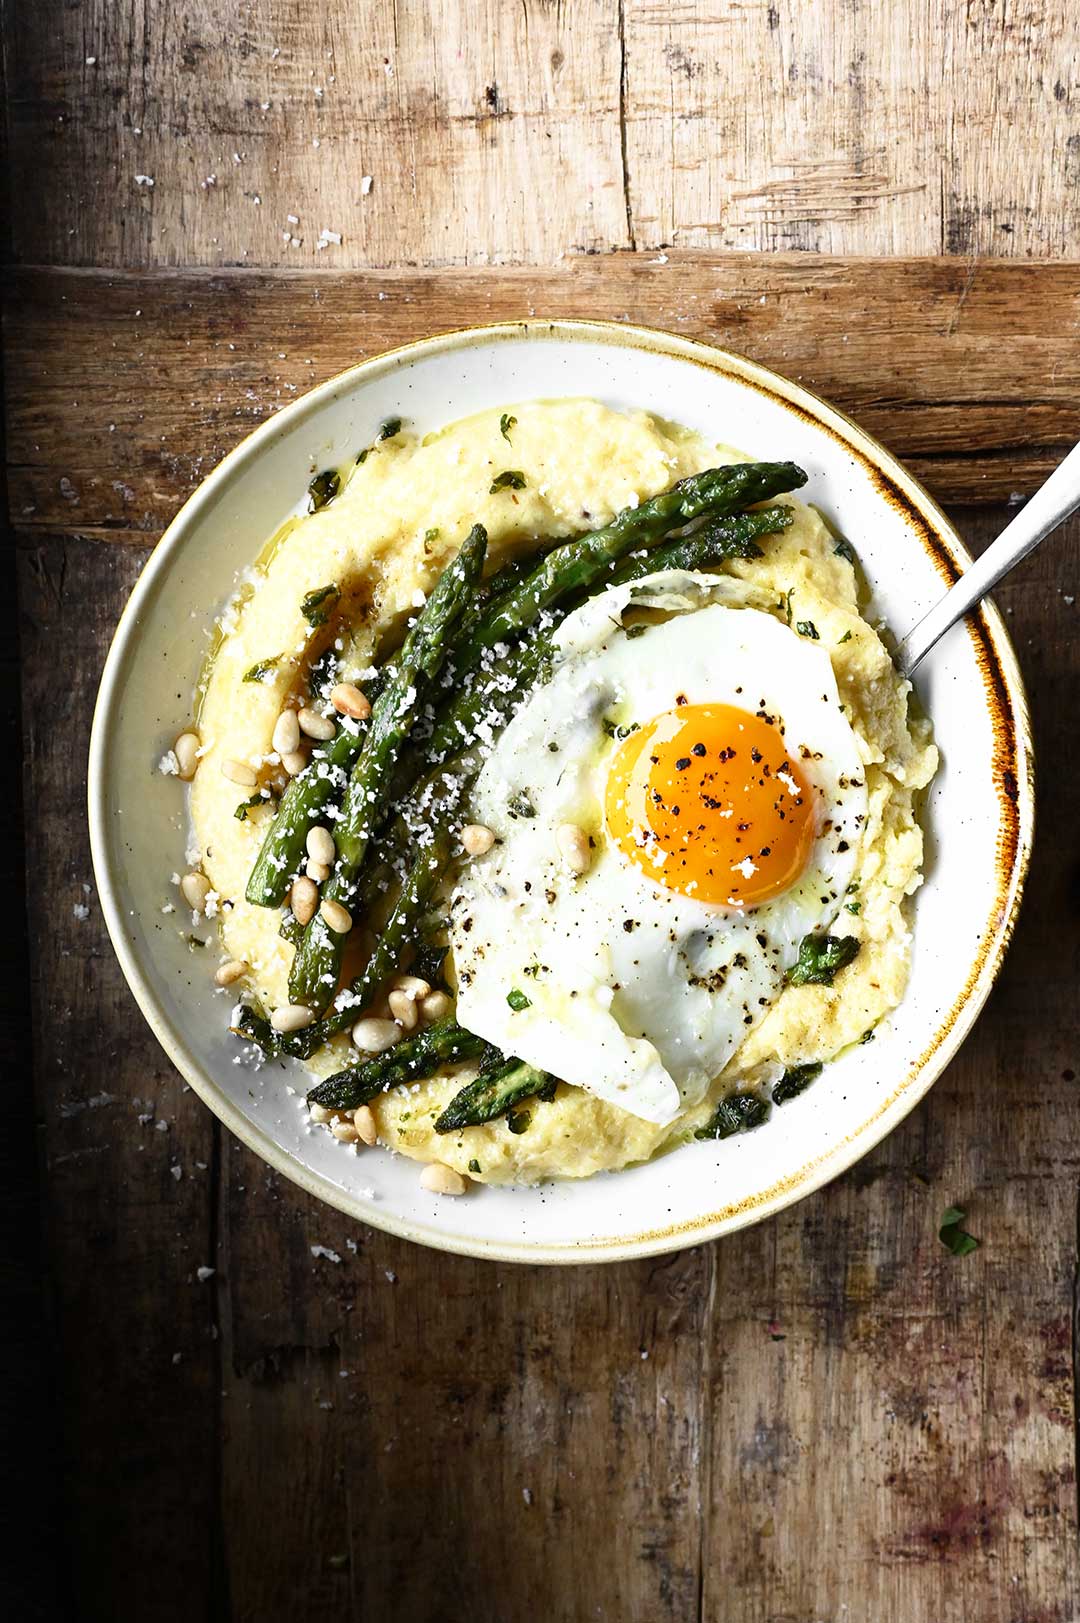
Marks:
<point>704,753</point>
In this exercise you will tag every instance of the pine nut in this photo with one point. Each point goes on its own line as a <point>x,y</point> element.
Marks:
<point>372,1036</point>
<point>317,872</point>
<point>314,725</point>
<point>320,1113</point>
<point>292,1017</point>
<point>441,1180</point>
<point>238,772</point>
<point>403,1009</point>
<point>436,1006</point>
<point>195,888</point>
<point>365,1124</point>
<point>294,763</point>
<point>231,971</point>
<point>286,739</point>
<point>320,845</point>
<point>186,749</point>
<point>337,917</point>
<point>413,986</point>
<point>303,899</point>
<point>345,1131</point>
<point>573,843</point>
<point>349,701</point>
<point>477,839</point>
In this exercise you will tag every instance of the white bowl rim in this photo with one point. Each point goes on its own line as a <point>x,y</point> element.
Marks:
<point>951,557</point>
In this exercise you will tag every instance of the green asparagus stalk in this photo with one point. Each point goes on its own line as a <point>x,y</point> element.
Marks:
<point>414,1057</point>
<point>571,568</point>
<point>493,1093</point>
<point>316,963</point>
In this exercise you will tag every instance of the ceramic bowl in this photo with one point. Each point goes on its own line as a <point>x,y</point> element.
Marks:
<point>979,814</point>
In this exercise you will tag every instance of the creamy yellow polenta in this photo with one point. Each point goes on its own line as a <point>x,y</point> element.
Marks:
<point>400,517</point>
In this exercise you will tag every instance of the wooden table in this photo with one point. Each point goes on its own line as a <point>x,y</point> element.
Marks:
<point>826,1417</point>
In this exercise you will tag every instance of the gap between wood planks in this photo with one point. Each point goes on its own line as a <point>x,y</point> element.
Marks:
<point>125,389</point>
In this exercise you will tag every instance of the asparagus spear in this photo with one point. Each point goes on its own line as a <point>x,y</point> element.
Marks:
<point>415,1057</point>
<point>315,966</point>
<point>493,1093</point>
<point>494,700</point>
<point>305,797</point>
<point>574,566</point>
<point>283,848</point>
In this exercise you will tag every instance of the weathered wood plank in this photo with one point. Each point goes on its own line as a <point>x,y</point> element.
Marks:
<point>436,1429</point>
<point>892,1430</point>
<point>125,390</point>
<point>128,1165</point>
<point>516,130</point>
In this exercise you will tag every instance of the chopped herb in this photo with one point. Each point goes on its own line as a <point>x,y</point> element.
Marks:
<point>853,907</point>
<point>241,812</point>
<point>474,1165</point>
<point>431,535</point>
<point>807,628</point>
<point>518,1120</point>
<point>867,1036</point>
<point>845,638</point>
<point>954,1237</point>
<point>844,549</point>
<point>636,631</point>
<point>428,963</point>
<point>362,456</point>
<point>737,1114</point>
<point>785,603</point>
<point>323,488</point>
<point>260,670</point>
<point>323,673</point>
<point>518,1001</point>
<point>519,805</point>
<point>820,956</point>
<point>195,941</point>
<point>793,1081</point>
<point>318,605</point>
<point>512,479</point>
<point>506,423</point>
<point>391,427</point>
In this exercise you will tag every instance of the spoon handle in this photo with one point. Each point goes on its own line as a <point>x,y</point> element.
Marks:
<point>1050,506</point>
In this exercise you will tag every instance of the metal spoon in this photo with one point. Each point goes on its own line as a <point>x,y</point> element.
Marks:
<point>1050,506</point>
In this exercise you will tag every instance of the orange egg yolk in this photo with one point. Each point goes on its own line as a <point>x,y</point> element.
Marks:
<point>707,800</point>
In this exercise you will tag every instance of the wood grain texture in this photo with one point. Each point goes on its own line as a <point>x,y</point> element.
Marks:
<point>510,131</point>
<point>124,390</point>
<point>825,1416</point>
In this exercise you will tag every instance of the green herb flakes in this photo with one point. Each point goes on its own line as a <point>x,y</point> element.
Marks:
<point>512,479</point>
<point>391,427</point>
<point>820,956</point>
<point>323,488</point>
<point>794,1080</point>
<point>319,605</point>
<point>845,638</point>
<point>520,805</point>
<point>518,1120</point>
<point>518,1001</point>
<point>844,549</point>
<point>261,670</point>
<point>474,1165</point>
<point>807,628</point>
<point>506,423</point>
<point>241,812</point>
<point>953,1236</point>
<point>740,1113</point>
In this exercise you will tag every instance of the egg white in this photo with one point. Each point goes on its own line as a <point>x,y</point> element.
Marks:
<point>637,993</point>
